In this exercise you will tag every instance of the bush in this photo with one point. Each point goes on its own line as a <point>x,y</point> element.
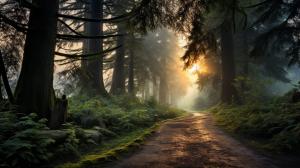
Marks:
<point>275,124</point>
<point>118,114</point>
<point>27,146</point>
<point>28,141</point>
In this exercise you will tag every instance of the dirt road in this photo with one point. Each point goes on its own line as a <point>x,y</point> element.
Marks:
<point>193,142</point>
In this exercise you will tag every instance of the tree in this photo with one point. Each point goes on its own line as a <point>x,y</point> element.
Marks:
<point>92,78</point>
<point>163,85</point>
<point>118,80</point>
<point>42,34</point>
<point>203,39</point>
<point>228,63</point>
<point>281,37</point>
<point>131,77</point>
<point>36,77</point>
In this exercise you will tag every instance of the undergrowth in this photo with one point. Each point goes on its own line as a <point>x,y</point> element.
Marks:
<point>275,126</point>
<point>27,141</point>
<point>119,114</point>
<point>111,150</point>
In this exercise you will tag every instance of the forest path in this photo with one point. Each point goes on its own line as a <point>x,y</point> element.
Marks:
<point>193,142</point>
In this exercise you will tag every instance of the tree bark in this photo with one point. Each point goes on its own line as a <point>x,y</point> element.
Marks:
<point>34,92</point>
<point>154,88</point>
<point>163,86</point>
<point>5,81</point>
<point>118,81</point>
<point>1,93</point>
<point>131,75</point>
<point>228,65</point>
<point>147,90</point>
<point>245,62</point>
<point>92,79</point>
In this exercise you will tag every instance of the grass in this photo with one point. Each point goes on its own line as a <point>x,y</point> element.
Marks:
<point>111,150</point>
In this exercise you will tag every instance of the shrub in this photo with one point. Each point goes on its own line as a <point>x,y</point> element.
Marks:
<point>28,146</point>
<point>118,114</point>
<point>277,125</point>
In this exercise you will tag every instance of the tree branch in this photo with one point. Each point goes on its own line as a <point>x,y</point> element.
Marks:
<point>19,27</point>
<point>86,55</point>
<point>256,5</point>
<point>76,37</point>
<point>114,19</point>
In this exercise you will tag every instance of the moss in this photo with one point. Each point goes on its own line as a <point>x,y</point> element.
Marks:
<point>112,150</point>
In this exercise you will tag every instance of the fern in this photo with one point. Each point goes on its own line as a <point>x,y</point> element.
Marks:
<point>28,146</point>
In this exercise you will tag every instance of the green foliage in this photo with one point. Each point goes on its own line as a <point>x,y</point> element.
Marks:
<point>122,121</point>
<point>275,125</point>
<point>111,150</point>
<point>27,140</point>
<point>251,91</point>
<point>118,114</point>
<point>27,145</point>
<point>70,144</point>
<point>7,125</point>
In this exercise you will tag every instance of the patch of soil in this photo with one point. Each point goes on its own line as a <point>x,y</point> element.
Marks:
<point>193,142</point>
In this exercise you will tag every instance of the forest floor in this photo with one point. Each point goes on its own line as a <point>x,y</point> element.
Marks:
<point>193,142</point>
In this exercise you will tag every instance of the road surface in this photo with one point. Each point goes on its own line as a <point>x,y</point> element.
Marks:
<point>193,142</point>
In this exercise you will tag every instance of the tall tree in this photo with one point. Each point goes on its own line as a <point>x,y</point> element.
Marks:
<point>163,85</point>
<point>228,63</point>
<point>36,77</point>
<point>131,74</point>
<point>118,80</point>
<point>92,80</point>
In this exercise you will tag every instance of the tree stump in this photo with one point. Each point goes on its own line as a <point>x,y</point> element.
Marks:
<point>59,115</point>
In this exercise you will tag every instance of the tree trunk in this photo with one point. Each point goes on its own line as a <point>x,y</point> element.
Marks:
<point>3,74</point>
<point>245,60</point>
<point>163,86</point>
<point>154,89</point>
<point>92,79</point>
<point>118,81</point>
<point>163,91</point>
<point>1,93</point>
<point>147,90</point>
<point>228,65</point>
<point>34,91</point>
<point>131,75</point>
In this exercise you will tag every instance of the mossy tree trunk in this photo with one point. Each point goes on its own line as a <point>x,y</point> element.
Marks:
<point>34,92</point>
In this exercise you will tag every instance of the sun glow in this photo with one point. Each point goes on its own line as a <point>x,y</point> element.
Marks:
<point>194,69</point>
<point>198,68</point>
